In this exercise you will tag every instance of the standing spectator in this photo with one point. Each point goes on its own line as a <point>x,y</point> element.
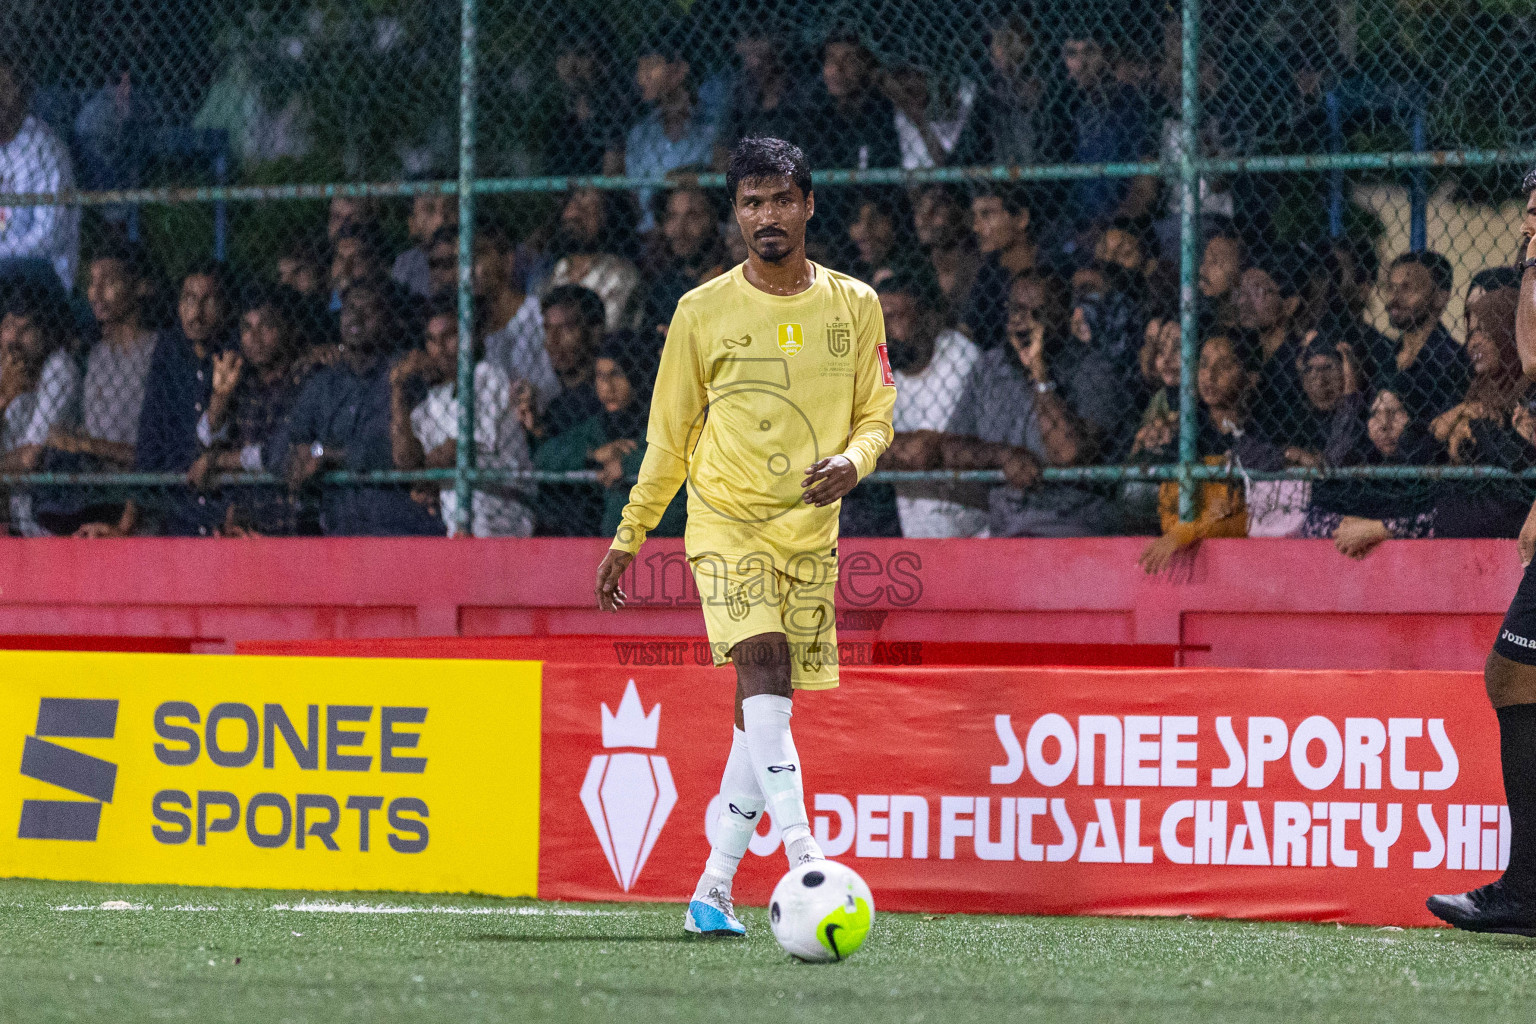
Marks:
<point>176,396</point>
<point>939,216</point>
<point>514,342</point>
<point>688,253</point>
<point>33,239</point>
<point>431,212</point>
<point>932,365</point>
<point>586,135</point>
<point>612,440</point>
<point>1428,370</point>
<point>1000,219</point>
<point>590,242</point>
<point>882,237</point>
<point>428,434</point>
<point>1009,108</point>
<point>931,130</point>
<point>1099,120</point>
<point>112,400</point>
<point>341,420</point>
<point>39,390</point>
<point>675,131</point>
<point>767,100</point>
<point>253,390</point>
<point>845,123</point>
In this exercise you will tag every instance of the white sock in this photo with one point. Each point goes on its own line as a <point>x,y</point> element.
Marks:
<point>741,808</point>
<point>766,717</point>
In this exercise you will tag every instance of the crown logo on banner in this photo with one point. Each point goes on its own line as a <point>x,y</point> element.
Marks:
<point>631,727</point>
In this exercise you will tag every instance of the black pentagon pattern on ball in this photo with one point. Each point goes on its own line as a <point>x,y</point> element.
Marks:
<point>812,879</point>
<point>773,912</point>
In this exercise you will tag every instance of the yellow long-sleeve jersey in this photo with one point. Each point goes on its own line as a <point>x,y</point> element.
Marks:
<point>752,389</point>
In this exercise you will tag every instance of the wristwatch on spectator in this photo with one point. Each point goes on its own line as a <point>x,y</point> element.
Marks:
<point>1525,265</point>
<point>317,451</point>
<point>1045,386</point>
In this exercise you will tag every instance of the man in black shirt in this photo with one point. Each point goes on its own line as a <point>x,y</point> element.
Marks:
<point>1427,368</point>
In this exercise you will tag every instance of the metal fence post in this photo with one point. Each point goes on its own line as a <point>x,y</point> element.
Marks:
<point>465,459</point>
<point>1189,256</point>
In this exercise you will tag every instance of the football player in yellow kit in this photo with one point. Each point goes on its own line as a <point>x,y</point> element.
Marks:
<point>776,366</point>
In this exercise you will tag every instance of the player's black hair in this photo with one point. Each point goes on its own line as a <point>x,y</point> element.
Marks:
<point>756,158</point>
<point>1438,266</point>
<point>584,300</point>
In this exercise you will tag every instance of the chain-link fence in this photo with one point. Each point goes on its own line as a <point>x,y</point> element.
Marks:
<point>1210,269</point>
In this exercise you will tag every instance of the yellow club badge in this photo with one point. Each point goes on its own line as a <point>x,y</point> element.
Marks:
<point>791,338</point>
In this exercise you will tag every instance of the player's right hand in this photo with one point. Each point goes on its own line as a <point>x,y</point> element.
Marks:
<point>610,596</point>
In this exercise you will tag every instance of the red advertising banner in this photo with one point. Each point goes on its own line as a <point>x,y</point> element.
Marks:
<point>1323,796</point>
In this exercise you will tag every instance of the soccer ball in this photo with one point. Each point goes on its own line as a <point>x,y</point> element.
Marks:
<point>821,911</point>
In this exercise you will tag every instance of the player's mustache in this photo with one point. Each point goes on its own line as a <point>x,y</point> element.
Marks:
<point>770,233</point>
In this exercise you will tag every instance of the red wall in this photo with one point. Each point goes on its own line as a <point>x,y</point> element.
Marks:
<point>1256,603</point>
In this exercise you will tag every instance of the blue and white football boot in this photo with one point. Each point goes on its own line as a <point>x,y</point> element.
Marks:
<point>713,915</point>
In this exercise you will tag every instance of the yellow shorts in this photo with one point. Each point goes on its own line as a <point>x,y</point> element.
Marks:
<point>744,596</point>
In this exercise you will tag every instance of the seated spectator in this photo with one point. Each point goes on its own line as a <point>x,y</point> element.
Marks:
<point>1491,426</point>
<point>1009,115</point>
<point>1014,417</point>
<point>587,135</point>
<point>931,364</point>
<point>426,436</point>
<point>39,389</point>
<point>675,131</point>
<point>687,253</point>
<point>573,330</point>
<point>302,268</point>
<point>254,388</point>
<point>357,255</point>
<point>514,339</point>
<point>176,396</point>
<point>431,212</point>
<point>933,129</point>
<point>1489,280</point>
<point>1229,369</point>
<point>1000,219</point>
<point>939,216</point>
<point>34,240</point>
<point>882,237</point>
<point>1123,244</point>
<point>1357,515</point>
<point>612,440</point>
<point>1157,431</point>
<point>341,420</point>
<point>1221,268</point>
<point>112,400</point>
<point>443,263</point>
<point>1269,297</point>
<point>1425,367</point>
<point>589,241</point>
<point>1096,363</point>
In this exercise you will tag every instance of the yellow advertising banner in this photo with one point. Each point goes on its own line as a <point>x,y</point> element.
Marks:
<point>309,773</point>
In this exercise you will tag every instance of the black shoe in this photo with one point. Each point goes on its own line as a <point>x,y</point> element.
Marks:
<point>1495,907</point>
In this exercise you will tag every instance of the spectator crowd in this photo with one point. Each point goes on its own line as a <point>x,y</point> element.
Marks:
<point>1029,327</point>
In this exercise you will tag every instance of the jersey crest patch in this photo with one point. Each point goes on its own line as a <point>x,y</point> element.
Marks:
<point>791,338</point>
<point>885,366</point>
<point>839,339</point>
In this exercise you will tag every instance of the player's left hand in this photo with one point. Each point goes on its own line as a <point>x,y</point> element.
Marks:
<point>828,480</point>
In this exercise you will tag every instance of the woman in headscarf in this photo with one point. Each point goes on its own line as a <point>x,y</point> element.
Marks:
<point>612,441</point>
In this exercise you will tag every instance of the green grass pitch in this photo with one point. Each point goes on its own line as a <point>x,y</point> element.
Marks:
<point>245,955</point>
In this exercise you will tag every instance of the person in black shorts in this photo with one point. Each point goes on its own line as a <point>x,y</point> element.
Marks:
<point>1509,904</point>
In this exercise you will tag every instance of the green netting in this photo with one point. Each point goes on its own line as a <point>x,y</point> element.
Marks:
<point>252,251</point>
